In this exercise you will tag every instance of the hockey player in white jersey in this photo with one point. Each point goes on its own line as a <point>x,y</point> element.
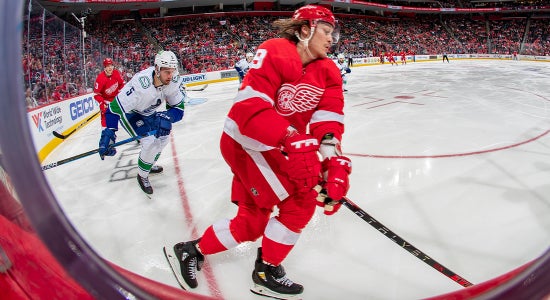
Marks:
<point>344,69</point>
<point>243,65</point>
<point>136,106</point>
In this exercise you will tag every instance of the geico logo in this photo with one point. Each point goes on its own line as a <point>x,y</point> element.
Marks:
<point>81,107</point>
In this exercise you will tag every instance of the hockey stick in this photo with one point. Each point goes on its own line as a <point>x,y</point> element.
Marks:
<point>61,136</point>
<point>91,152</point>
<point>199,89</point>
<point>404,244</point>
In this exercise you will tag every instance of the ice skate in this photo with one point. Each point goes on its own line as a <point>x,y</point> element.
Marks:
<point>272,282</point>
<point>156,169</point>
<point>145,185</point>
<point>185,260</point>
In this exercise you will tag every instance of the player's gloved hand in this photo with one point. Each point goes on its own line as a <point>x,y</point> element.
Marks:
<point>336,186</point>
<point>330,206</point>
<point>103,106</point>
<point>304,165</point>
<point>107,138</point>
<point>348,70</point>
<point>163,124</point>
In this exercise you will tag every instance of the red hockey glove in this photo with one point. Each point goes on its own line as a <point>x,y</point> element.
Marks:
<point>330,206</point>
<point>304,165</point>
<point>336,186</point>
<point>103,106</point>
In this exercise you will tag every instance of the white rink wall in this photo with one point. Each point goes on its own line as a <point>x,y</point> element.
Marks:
<point>64,116</point>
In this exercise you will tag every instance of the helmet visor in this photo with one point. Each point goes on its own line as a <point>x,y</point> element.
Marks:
<point>336,33</point>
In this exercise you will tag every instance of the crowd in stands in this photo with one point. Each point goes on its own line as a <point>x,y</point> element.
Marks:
<point>55,70</point>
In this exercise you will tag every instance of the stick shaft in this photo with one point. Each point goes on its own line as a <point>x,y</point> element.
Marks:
<point>94,151</point>
<point>61,136</point>
<point>404,244</point>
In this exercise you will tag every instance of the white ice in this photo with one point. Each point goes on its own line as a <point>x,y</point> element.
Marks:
<point>454,158</point>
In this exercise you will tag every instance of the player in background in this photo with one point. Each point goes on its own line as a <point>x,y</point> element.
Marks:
<point>445,57</point>
<point>344,69</point>
<point>107,85</point>
<point>411,53</point>
<point>391,57</point>
<point>403,55</point>
<point>291,86</point>
<point>243,65</point>
<point>382,57</point>
<point>136,106</point>
<point>515,55</point>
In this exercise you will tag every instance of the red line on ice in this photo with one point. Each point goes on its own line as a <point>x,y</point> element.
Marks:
<point>206,269</point>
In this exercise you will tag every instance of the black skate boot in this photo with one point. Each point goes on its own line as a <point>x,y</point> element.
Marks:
<point>271,281</point>
<point>190,260</point>
<point>145,185</point>
<point>156,169</point>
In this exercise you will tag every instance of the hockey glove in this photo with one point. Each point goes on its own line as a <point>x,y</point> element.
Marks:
<point>163,124</point>
<point>103,106</point>
<point>304,165</point>
<point>336,186</point>
<point>107,138</point>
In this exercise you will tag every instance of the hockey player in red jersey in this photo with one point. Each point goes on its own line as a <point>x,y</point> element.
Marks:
<point>391,57</point>
<point>107,85</point>
<point>403,55</point>
<point>287,111</point>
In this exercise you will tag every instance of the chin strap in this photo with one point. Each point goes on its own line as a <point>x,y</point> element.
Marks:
<point>306,40</point>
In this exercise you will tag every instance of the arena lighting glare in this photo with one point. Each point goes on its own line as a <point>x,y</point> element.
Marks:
<point>19,159</point>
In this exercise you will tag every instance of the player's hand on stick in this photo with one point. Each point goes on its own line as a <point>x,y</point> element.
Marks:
<point>108,137</point>
<point>103,106</point>
<point>336,186</point>
<point>304,165</point>
<point>163,124</point>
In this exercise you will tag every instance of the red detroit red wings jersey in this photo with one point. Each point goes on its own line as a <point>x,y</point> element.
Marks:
<point>106,88</point>
<point>278,91</point>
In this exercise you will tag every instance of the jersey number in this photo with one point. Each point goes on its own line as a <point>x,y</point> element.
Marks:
<point>129,92</point>
<point>258,59</point>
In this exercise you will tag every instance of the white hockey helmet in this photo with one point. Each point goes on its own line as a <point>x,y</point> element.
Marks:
<point>249,54</point>
<point>166,59</point>
<point>341,56</point>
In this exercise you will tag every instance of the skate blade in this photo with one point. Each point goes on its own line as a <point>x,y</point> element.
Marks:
<point>175,267</point>
<point>263,291</point>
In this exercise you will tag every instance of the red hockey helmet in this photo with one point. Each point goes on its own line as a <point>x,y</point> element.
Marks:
<point>314,13</point>
<point>107,62</point>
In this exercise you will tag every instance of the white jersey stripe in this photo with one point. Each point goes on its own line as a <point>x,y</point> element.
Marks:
<point>325,115</point>
<point>278,232</point>
<point>221,229</point>
<point>232,129</point>
<point>248,92</point>
<point>268,174</point>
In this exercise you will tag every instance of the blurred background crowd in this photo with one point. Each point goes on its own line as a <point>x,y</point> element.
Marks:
<point>62,55</point>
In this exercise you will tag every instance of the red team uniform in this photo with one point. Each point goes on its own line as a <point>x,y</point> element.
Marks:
<point>288,110</point>
<point>249,145</point>
<point>106,88</point>
<point>391,57</point>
